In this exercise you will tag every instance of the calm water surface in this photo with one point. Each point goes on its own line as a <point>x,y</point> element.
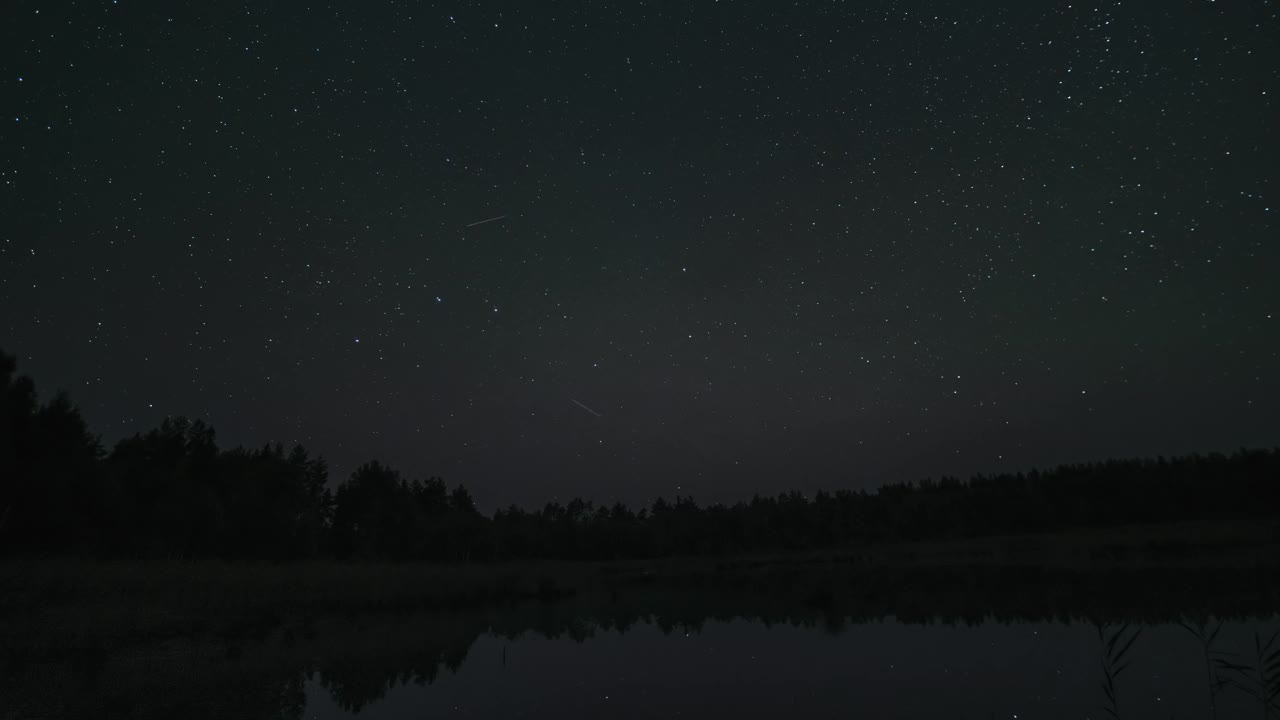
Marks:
<point>885,669</point>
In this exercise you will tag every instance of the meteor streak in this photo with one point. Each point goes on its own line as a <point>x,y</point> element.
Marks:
<point>482,222</point>
<point>584,407</point>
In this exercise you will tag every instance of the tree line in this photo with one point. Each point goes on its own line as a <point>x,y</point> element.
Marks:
<point>172,492</point>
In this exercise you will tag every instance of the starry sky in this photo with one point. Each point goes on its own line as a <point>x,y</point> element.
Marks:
<point>740,247</point>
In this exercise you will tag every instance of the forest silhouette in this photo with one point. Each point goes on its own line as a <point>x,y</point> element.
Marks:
<point>172,492</point>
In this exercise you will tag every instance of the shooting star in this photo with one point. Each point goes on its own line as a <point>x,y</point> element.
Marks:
<point>482,222</point>
<point>584,407</point>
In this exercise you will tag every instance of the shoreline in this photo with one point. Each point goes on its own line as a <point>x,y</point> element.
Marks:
<point>64,602</point>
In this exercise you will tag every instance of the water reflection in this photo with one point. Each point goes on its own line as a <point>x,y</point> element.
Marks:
<point>949,643</point>
<point>744,668</point>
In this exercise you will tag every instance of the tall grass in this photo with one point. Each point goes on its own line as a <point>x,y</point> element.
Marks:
<point>1115,647</point>
<point>1205,634</point>
<point>1261,680</point>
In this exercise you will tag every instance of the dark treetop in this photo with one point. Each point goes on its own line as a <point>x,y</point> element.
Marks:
<point>172,492</point>
<point>732,247</point>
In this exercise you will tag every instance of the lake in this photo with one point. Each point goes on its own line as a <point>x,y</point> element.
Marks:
<point>750,640</point>
<point>744,668</point>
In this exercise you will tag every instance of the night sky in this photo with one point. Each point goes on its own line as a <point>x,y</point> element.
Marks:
<point>740,247</point>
